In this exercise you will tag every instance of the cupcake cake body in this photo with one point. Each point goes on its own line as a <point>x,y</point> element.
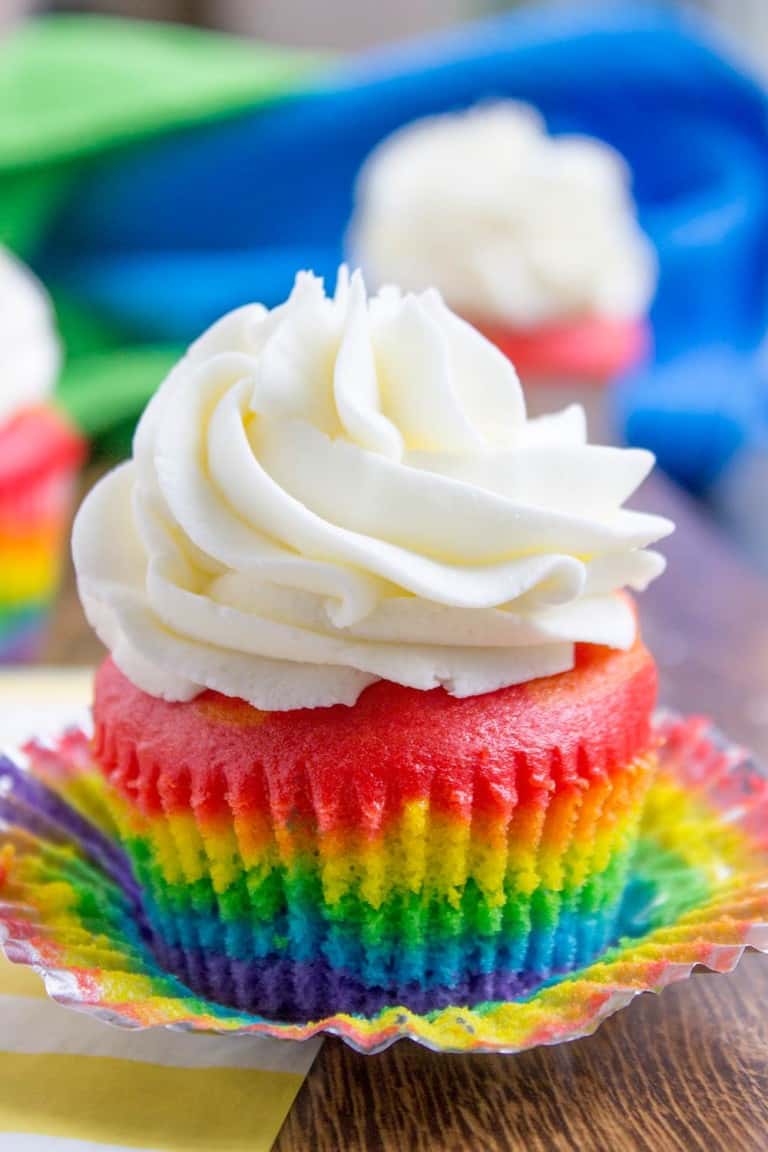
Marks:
<point>376,725</point>
<point>534,238</point>
<point>414,849</point>
<point>39,457</point>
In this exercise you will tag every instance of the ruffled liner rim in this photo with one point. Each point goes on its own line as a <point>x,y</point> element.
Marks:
<point>720,780</point>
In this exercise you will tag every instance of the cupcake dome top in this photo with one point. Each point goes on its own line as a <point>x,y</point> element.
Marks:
<point>396,745</point>
<point>29,348</point>
<point>344,490</point>
<point>511,224</point>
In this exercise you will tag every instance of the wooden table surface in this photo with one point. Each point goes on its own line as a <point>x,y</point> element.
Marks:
<point>683,1071</point>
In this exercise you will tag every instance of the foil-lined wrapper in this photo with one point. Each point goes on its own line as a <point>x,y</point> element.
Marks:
<point>697,895</point>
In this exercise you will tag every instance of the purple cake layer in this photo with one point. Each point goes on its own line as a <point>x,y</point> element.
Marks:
<point>280,989</point>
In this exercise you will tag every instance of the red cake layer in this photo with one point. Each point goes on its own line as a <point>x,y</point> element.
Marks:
<point>348,766</point>
<point>592,349</point>
<point>34,443</point>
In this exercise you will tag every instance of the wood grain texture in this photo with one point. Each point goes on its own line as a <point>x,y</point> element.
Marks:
<point>682,1071</point>
<point>687,1070</point>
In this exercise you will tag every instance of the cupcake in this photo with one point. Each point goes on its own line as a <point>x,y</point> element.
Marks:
<point>375,723</point>
<point>533,238</point>
<point>39,457</point>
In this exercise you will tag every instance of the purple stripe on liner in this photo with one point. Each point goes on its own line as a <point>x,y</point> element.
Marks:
<point>27,803</point>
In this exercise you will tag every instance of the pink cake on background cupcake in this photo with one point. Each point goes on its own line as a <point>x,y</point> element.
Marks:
<point>40,454</point>
<point>534,238</point>
<point>375,728</point>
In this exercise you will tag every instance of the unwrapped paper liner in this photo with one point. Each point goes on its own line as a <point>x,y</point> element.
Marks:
<point>698,895</point>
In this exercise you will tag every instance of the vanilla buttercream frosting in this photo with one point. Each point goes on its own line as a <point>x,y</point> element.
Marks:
<point>511,224</point>
<point>345,489</point>
<point>29,348</point>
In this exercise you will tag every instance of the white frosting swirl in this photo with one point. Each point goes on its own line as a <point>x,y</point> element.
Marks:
<point>29,349</point>
<point>509,223</point>
<point>343,490</point>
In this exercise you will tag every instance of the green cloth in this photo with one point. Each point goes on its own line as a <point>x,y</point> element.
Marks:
<point>74,88</point>
<point>106,382</point>
<point>105,391</point>
<point>70,85</point>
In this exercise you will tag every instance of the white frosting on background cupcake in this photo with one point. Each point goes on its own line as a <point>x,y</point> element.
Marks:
<point>345,489</point>
<point>509,223</point>
<point>29,348</point>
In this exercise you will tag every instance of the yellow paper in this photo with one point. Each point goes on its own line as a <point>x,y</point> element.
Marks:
<point>66,1076</point>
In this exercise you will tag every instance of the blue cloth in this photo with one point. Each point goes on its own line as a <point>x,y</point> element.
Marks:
<point>170,234</point>
<point>697,412</point>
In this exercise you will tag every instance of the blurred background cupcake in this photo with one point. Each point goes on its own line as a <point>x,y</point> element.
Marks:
<point>533,238</point>
<point>39,456</point>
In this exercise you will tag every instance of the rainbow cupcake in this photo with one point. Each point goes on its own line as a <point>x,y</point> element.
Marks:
<point>39,457</point>
<point>532,237</point>
<point>375,728</point>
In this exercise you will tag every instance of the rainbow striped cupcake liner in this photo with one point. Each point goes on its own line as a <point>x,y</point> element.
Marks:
<point>696,894</point>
